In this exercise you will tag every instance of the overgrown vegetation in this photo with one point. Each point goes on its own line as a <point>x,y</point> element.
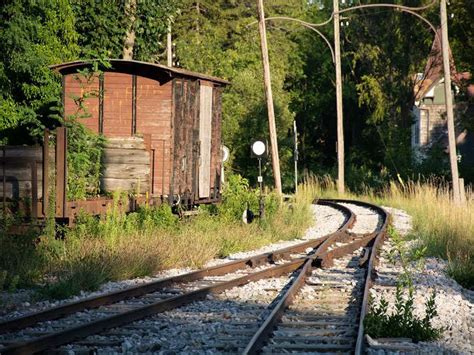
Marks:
<point>216,37</point>
<point>119,246</point>
<point>84,148</point>
<point>401,321</point>
<point>446,229</point>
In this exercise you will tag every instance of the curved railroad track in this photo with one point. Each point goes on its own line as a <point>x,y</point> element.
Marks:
<point>298,265</point>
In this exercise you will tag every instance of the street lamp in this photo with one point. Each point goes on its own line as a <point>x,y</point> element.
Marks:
<point>259,150</point>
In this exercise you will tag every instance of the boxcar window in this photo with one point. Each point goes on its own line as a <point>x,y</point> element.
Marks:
<point>205,118</point>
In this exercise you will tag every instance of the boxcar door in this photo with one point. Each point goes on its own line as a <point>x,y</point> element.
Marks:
<point>186,137</point>
<point>205,135</point>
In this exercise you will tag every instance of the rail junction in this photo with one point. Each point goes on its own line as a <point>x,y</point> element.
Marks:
<point>320,308</point>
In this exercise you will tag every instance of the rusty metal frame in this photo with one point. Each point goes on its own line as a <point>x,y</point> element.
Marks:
<point>45,205</point>
<point>28,162</point>
<point>101,103</point>
<point>134,105</point>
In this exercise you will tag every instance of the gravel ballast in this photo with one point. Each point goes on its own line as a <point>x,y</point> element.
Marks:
<point>455,304</point>
<point>219,319</point>
<point>22,302</point>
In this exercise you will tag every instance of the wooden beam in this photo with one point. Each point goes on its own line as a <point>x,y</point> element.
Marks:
<point>340,122</point>
<point>61,171</point>
<point>269,96</point>
<point>453,159</point>
<point>45,172</point>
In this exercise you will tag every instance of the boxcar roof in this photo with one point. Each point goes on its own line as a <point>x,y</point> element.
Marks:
<point>136,67</point>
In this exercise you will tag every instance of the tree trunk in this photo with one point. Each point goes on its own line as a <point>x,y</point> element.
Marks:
<point>130,12</point>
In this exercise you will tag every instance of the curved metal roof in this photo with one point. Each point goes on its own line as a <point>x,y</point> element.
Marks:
<point>136,67</point>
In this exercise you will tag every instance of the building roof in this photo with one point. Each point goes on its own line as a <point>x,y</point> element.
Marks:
<point>434,72</point>
<point>137,67</point>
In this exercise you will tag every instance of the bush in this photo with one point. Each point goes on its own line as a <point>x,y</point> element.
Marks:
<point>236,196</point>
<point>121,245</point>
<point>402,323</point>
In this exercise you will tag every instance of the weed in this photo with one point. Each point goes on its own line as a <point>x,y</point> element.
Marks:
<point>402,322</point>
<point>119,246</point>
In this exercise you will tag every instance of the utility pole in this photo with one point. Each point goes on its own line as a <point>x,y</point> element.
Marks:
<point>269,97</point>
<point>169,46</point>
<point>340,124</point>
<point>449,101</point>
<point>295,133</point>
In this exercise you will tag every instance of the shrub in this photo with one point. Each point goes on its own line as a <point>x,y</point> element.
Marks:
<point>402,323</point>
<point>236,196</point>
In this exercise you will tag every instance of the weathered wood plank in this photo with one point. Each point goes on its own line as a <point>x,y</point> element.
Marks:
<point>125,143</point>
<point>126,171</point>
<point>21,173</point>
<point>111,184</point>
<point>205,133</point>
<point>16,189</point>
<point>124,156</point>
<point>24,152</point>
<point>126,165</point>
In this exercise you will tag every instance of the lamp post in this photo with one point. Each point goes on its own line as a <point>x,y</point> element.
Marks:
<point>259,150</point>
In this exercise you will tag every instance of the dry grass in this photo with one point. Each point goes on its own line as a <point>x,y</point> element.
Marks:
<point>120,246</point>
<point>445,228</point>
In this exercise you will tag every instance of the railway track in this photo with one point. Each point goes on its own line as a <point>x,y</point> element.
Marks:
<point>293,273</point>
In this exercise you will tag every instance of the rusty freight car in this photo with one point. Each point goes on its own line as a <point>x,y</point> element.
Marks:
<point>176,112</point>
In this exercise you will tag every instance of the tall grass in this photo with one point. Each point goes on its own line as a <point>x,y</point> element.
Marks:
<point>119,246</point>
<point>444,227</point>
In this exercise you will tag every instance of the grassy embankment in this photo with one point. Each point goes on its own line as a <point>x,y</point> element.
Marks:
<point>119,246</point>
<point>446,229</point>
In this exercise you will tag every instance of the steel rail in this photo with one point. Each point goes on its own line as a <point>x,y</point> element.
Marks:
<point>266,328</point>
<point>368,284</point>
<point>71,334</point>
<point>325,258</point>
<point>218,270</point>
<point>68,335</point>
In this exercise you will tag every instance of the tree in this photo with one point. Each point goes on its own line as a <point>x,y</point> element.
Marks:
<point>34,36</point>
<point>106,28</point>
<point>214,37</point>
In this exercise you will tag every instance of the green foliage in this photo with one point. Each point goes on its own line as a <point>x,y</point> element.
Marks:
<point>402,322</point>
<point>103,25</point>
<point>217,37</point>
<point>84,146</point>
<point>83,161</point>
<point>436,163</point>
<point>86,273</point>
<point>236,197</point>
<point>22,265</point>
<point>115,222</point>
<point>34,35</point>
<point>461,34</point>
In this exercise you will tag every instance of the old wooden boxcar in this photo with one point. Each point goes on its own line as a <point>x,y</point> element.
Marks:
<point>175,111</point>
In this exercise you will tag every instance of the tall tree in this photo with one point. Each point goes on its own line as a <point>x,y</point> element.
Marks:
<point>127,29</point>
<point>35,34</point>
<point>216,37</point>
